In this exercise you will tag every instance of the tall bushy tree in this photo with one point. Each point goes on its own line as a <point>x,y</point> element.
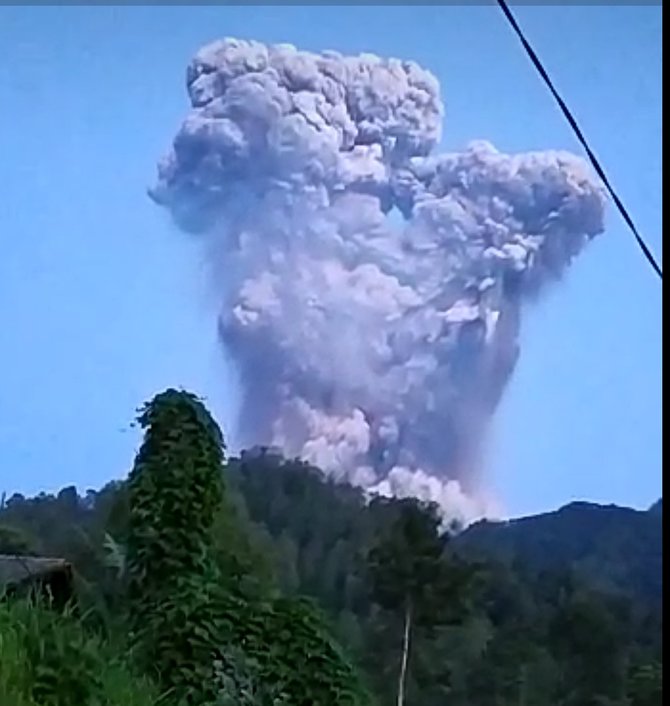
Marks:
<point>412,579</point>
<point>174,492</point>
<point>203,633</point>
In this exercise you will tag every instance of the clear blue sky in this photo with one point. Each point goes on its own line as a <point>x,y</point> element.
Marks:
<point>102,302</point>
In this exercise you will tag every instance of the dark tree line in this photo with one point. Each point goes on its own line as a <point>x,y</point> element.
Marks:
<point>230,573</point>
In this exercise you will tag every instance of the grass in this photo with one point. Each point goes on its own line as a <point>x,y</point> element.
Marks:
<point>50,659</point>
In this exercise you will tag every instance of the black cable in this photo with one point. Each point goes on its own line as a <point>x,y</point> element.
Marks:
<point>573,123</point>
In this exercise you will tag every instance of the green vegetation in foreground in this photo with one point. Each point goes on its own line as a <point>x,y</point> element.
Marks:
<point>206,581</point>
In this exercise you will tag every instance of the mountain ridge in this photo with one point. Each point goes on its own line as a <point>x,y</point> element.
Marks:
<point>618,548</point>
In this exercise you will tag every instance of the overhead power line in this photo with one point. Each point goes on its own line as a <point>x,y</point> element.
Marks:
<point>580,136</point>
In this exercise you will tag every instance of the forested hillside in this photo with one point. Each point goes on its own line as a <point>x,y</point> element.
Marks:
<point>562,608</point>
<point>617,549</point>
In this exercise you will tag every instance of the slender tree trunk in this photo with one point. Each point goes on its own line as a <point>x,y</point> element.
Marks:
<point>405,655</point>
<point>523,678</point>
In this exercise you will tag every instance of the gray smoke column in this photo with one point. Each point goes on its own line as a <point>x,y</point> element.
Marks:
<point>371,290</point>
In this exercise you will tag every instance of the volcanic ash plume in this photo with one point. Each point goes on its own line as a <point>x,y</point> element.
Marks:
<point>371,290</point>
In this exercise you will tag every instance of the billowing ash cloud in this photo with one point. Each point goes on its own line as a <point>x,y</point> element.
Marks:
<point>371,290</point>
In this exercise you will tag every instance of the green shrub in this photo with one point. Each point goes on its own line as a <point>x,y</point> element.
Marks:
<point>48,659</point>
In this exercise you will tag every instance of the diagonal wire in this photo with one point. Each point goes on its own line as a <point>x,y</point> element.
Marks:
<point>580,136</point>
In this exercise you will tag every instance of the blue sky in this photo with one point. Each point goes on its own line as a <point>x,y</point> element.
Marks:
<point>103,303</point>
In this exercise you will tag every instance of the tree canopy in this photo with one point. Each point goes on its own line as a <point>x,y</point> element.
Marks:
<point>204,580</point>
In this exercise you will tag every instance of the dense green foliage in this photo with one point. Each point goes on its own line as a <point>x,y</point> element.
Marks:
<point>174,492</point>
<point>184,615</point>
<point>613,548</point>
<point>49,659</point>
<point>263,584</point>
<point>510,646</point>
<point>411,578</point>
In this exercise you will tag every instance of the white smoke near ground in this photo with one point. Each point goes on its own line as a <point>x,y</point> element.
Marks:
<point>371,291</point>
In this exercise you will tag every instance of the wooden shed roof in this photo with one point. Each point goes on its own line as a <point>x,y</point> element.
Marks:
<point>17,570</point>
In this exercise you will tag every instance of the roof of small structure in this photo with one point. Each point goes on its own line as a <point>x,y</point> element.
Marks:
<point>16,570</point>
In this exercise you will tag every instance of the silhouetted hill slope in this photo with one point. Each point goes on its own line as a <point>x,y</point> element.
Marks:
<point>615,548</point>
<point>657,507</point>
